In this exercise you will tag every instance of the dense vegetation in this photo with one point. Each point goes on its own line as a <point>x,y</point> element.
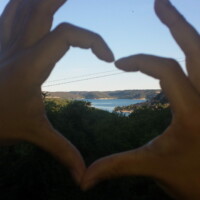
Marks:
<point>121,94</point>
<point>27,172</point>
<point>158,102</point>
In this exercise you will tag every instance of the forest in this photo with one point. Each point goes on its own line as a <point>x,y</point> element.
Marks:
<point>27,172</point>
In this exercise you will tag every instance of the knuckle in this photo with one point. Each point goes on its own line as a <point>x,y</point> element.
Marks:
<point>190,123</point>
<point>193,52</point>
<point>42,7</point>
<point>97,37</point>
<point>176,21</point>
<point>140,56</point>
<point>64,26</point>
<point>172,66</point>
<point>172,62</point>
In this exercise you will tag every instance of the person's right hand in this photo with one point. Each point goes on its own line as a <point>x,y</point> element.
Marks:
<point>173,159</point>
<point>29,51</point>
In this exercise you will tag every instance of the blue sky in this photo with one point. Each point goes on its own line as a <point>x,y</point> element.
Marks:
<point>129,27</point>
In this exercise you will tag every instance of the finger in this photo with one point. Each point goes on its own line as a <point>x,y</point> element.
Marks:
<point>18,24</point>
<point>55,45</point>
<point>57,145</point>
<point>185,35</point>
<point>40,21</point>
<point>131,163</point>
<point>174,83</point>
<point>6,21</point>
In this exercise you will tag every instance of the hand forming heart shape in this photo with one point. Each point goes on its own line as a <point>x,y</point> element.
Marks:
<point>172,158</point>
<point>26,60</point>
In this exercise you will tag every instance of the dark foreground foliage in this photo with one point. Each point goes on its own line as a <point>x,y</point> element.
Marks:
<point>27,172</point>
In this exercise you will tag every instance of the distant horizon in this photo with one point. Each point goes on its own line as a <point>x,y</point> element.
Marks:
<point>101,90</point>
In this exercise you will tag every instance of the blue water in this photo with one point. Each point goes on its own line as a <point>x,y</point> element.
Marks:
<point>110,104</point>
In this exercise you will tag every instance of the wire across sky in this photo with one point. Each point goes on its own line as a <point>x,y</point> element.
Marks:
<point>87,77</point>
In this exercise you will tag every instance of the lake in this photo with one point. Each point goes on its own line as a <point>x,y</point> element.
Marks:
<point>110,104</point>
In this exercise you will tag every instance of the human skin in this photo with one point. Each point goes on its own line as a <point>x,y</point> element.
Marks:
<point>29,52</point>
<point>173,158</point>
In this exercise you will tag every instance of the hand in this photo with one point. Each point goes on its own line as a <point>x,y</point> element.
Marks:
<point>172,159</point>
<point>29,51</point>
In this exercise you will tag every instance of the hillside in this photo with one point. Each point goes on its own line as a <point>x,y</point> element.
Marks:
<point>159,100</point>
<point>120,94</point>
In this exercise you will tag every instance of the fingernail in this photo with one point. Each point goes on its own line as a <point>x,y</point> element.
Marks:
<point>76,175</point>
<point>89,184</point>
<point>110,57</point>
<point>119,64</point>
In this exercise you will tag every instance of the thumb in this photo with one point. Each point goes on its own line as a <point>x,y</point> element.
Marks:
<point>58,146</point>
<point>130,163</point>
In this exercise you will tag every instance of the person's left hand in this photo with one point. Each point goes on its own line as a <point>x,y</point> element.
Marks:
<point>29,51</point>
<point>172,158</point>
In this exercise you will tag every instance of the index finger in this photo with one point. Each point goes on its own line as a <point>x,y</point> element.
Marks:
<point>130,163</point>
<point>58,146</point>
<point>57,43</point>
<point>39,21</point>
<point>184,34</point>
<point>6,20</point>
<point>175,84</point>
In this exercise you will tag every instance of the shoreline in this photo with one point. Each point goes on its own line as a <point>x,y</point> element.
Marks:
<point>113,99</point>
